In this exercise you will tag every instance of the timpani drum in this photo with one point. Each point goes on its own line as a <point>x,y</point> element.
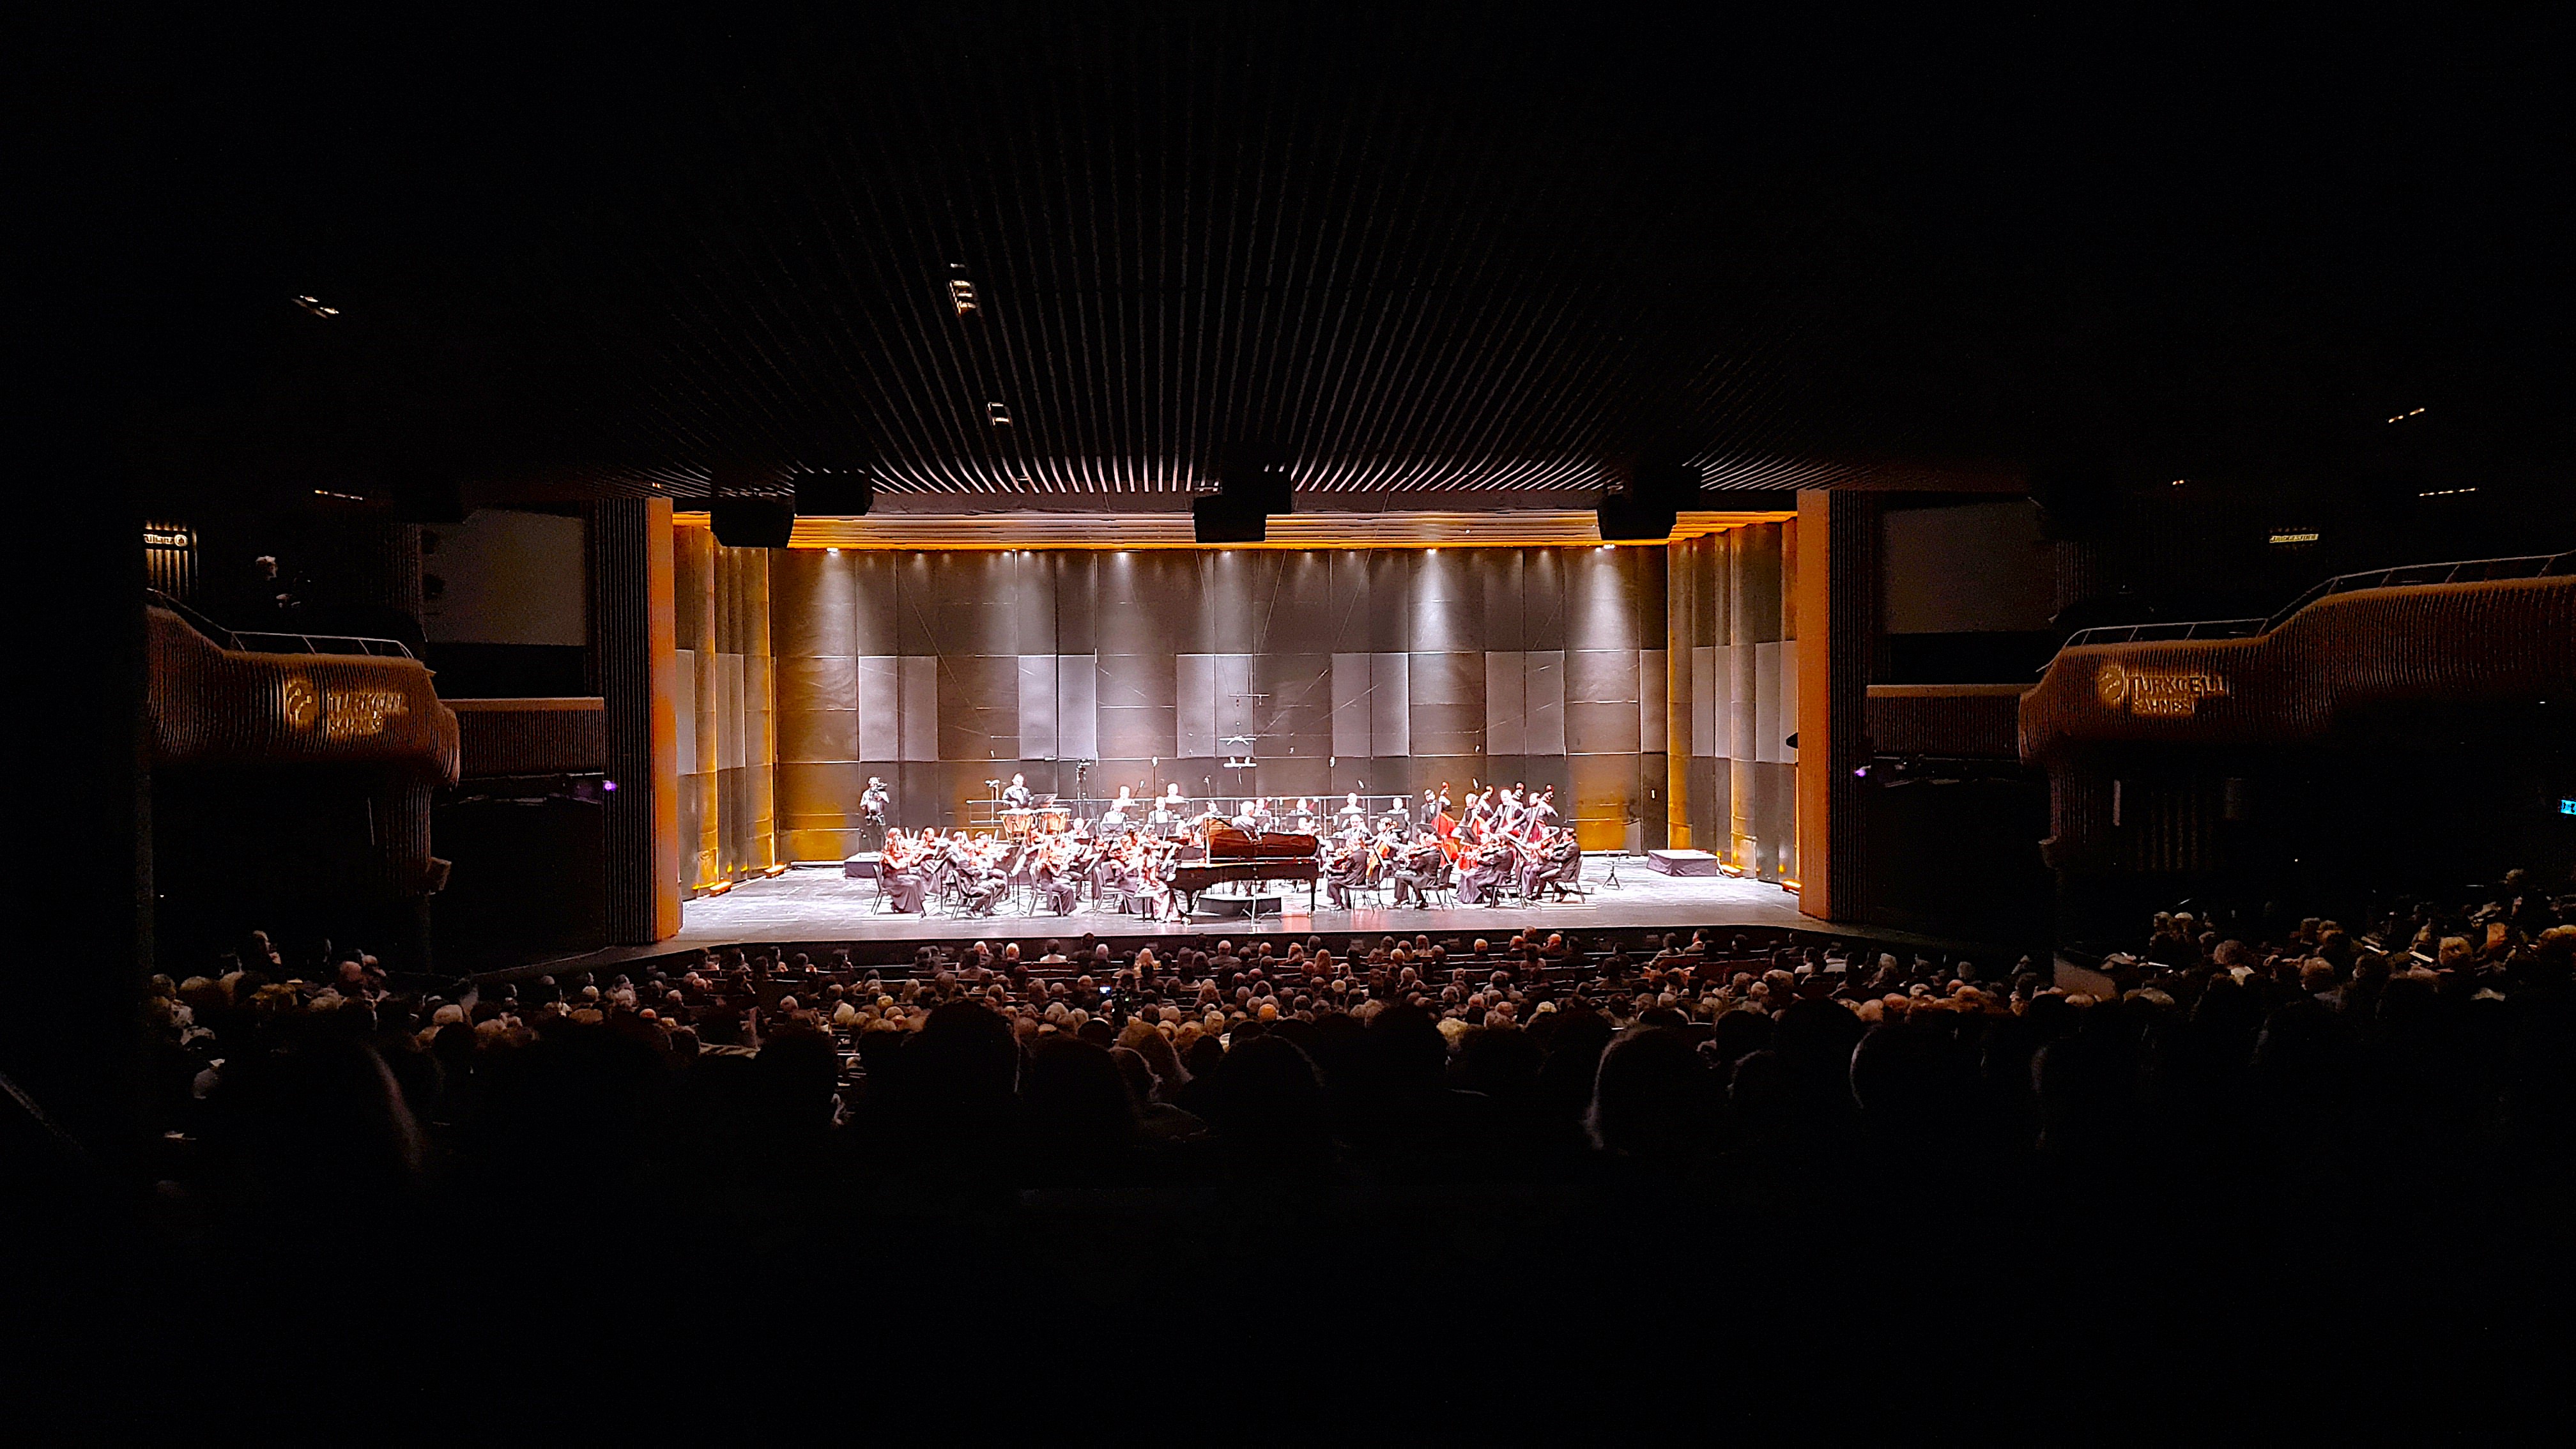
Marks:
<point>1019,825</point>
<point>1054,820</point>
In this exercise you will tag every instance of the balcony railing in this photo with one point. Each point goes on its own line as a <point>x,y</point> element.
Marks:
<point>2464,571</point>
<point>280,641</point>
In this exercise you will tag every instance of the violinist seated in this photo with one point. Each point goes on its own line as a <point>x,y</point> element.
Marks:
<point>1345,873</point>
<point>1480,876</point>
<point>979,886</point>
<point>1052,874</point>
<point>1555,865</point>
<point>901,880</point>
<point>1419,868</point>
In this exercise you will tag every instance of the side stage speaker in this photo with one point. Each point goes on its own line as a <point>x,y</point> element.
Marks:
<point>1226,519</point>
<point>752,522</point>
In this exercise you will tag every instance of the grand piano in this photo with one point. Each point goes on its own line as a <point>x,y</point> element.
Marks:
<point>1233,855</point>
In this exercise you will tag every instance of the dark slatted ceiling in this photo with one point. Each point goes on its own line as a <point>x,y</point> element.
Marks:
<point>1397,249</point>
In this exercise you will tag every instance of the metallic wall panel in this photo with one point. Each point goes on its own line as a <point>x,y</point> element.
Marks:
<point>1448,730</point>
<point>873,605</point>
<point>1542,599</point>
<point>1241,586</point>
<point>917,707</point>
<point>1076,608</point>
<point>1601,598</point>
<point>799,845</point>
<point>1772,716</point>
<point>980,681</point>
<point>759,702</point>
<point>1390,614</point>
<point>818,734</point>
<point>1506,706</point>
<point>1235,706</point>
<point>1593,728</point>
<point>818,681</point>
<point>1297,717</point>
<point>1138,732</point>
<point>1601,676</point>
<point>1788,699</point>
<point>1032,602</point>
<point>1350,601</point>
<point>970,602</point>
<point>814,602</point>
<point>1651,718</point>
<point>1130,680</point>
<point>1501,575</point>
<point>909,576</point>
<point>1351,706</point>
<point>1446,703</point>
<point>879,686</point>
<point>728,712</point>
<point>1543,693</point>
<point>1037,706</point>
<point>1298,614</point>
<point>1390,704</point>
<point>1706,678</point>
<point>684,711</point>
<point>1195,701</point>
<point>1604,792</point>
<point>1448,602</point>
<point>1077,714</point>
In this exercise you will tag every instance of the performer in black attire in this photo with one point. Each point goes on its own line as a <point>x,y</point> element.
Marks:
<point>1019,796</point>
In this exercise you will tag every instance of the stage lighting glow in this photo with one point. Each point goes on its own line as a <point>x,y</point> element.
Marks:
<point>608,785</point>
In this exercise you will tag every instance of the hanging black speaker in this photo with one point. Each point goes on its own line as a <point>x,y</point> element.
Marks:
<point>1227,519</point>
<point>1626,518</point>
<point>752,522</point>
<point>834,495</point>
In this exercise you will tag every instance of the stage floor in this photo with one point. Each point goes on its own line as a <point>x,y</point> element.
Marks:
<point>821,905</point>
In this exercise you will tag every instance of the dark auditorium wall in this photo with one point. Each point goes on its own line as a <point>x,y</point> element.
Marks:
<point>1389,668</point>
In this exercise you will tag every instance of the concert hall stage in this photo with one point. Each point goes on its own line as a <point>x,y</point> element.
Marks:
<point>819,904</point>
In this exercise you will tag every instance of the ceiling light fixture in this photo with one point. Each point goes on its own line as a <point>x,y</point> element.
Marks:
<point>2401,417</point>
<point>961,295</point>
<point>999,413</point>
<point>316,308</point>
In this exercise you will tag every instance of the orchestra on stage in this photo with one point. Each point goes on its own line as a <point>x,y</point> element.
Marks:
<point>1155,857</point>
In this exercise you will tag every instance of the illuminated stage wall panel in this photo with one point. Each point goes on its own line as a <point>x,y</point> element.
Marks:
<point>1733,691</point>
<point>1383,669</point>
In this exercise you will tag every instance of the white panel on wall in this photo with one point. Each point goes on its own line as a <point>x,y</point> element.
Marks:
<point>1506,704</point>
<point>1738,698</point>
<point>1077,700</point>
<point>1543,675</point>
<point>1237,710</point>
<point>1351,706</point>
<point>879,684</point>
<point>684,704</point>
<point>728,711</point>
<point>1706,686</point>
<point>1037,706</point>
<point>1769,733</point>
<point>917,708</point>
<point>1650,701</point>
<point>1788,700</point>
<point>1194,690</point>
<point>1390,704</point>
